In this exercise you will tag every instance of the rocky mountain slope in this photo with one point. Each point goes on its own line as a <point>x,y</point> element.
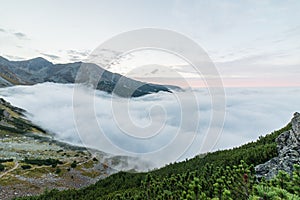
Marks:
<point>31,160</point>
<point>39,70</point>
<point>13,123</point>
<point>288,147</point>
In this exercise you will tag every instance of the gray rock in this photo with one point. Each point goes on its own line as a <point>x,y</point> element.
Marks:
<point>6,114</point>
<point>288,147</point>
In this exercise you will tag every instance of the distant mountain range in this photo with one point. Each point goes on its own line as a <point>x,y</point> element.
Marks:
<point>40,70</point>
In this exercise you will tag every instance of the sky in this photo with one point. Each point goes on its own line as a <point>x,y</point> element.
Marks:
<point>251,43</point>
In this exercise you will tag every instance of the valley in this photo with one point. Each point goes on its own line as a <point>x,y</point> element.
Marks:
<point>32,161</point>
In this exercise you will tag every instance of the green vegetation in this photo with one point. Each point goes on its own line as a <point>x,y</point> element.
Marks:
<point>13,130</point>
<point>6,160</point>
<point>226,174</point>
<point>40,162</point>
<point>91,174</point>
<point>88,164</point>
<point>26,167</point>
<point>74,164</point>
<point>95,159</point>
<point>58,170</point>
<point>13,122</point>
<point>1,167</point>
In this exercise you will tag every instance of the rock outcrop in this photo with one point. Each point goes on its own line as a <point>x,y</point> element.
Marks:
<point>288,147</point>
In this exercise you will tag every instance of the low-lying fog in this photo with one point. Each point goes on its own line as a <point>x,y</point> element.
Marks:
<point>151,127</point>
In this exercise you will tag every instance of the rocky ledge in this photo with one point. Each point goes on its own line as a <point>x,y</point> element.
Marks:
<point>288,147</point>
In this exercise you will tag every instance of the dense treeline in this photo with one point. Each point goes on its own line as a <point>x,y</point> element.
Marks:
<point>227,174</point>
<point>40,162</point>
<point>6,160</point>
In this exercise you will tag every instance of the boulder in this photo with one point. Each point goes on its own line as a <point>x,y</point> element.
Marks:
<point>288,147</point>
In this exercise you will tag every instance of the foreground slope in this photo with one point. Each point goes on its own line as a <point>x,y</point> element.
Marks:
<point>227,174</point>
<point>31,160</point>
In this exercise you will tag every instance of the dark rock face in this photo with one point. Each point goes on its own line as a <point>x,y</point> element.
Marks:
<point>288,147</point>
<point>39,70</point>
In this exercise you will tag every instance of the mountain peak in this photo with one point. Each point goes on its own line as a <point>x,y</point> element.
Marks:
<point>38,60</point>
<point>32,65</point>
<point>3,59</point>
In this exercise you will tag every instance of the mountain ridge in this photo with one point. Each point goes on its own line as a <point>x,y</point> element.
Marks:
<point>39,70</point>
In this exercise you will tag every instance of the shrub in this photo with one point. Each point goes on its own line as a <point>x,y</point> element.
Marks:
<point>74,164</point>
<point>58,170</point>
<point>1,167</point>
<point>24,167</point>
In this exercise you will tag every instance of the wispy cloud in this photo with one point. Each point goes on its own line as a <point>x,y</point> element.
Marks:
<point>54,57</point>
<point>12,57</point>
<point>76,52</point>
<point>20,35</point>
<point>294,31</point>
<point>77,55</point>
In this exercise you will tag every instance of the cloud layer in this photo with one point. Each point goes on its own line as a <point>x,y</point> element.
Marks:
<point>160,128</point>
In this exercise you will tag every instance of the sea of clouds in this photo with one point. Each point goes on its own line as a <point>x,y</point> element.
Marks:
<point>160,128</point>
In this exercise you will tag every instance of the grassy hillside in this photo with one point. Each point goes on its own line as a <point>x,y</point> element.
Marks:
<point>30,160</point>
<point>13,123</point>
<point>227,174</point>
